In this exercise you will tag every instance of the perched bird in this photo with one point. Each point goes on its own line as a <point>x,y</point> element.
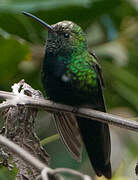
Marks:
<point>71,75</point>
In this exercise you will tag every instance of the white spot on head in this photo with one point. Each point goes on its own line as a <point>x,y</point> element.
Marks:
<point>63,25</point>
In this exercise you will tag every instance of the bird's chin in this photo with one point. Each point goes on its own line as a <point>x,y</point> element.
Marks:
<point>52,50</point>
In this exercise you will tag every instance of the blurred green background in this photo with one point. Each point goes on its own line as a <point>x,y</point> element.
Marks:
<point>112,31</point>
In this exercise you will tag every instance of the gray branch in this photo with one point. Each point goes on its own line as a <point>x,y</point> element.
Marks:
<point>43,168</point>
<point>14,99</point>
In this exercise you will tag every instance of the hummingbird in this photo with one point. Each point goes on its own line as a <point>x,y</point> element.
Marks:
<point>71,75</point>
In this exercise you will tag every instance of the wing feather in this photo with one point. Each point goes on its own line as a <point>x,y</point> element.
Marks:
<point>68,129</point>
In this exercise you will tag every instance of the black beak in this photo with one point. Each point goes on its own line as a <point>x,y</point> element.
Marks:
<point>47,26</point>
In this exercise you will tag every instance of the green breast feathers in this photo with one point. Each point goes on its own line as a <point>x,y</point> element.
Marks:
<point>80,71</point>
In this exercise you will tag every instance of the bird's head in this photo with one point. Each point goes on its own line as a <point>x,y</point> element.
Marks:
<point>63,37</point>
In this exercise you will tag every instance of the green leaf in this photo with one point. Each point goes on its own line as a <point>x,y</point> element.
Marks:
<point>6,174</point>
<point>12,52</point>
<point>18,6</point>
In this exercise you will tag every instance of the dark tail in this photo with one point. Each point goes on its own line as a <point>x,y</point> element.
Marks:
<point>96,138</point>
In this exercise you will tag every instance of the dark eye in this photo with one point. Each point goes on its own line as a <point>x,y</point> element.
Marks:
<point>66,35</point>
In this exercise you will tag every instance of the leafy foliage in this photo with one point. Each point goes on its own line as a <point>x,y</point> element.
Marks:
<point>12,50</point>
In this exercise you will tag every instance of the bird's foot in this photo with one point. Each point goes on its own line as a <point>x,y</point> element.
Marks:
<point>75,109</point>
